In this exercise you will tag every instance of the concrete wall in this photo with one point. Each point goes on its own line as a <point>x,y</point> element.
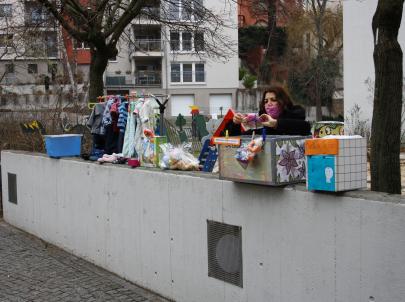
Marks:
<point>358,56</point>
<point>150,227</point>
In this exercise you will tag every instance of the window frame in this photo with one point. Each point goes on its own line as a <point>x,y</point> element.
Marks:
<point>193,73</point>
<point>180,44</point>
<point>29,71</point>
<point>10,68</point>
<point>8,41</point>
<point>10,11</point>
<point>180,12</point>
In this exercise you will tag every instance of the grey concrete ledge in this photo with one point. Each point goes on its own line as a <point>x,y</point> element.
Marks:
<point>358,194</point>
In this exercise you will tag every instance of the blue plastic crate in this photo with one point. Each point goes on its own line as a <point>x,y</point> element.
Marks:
<point>65,145</point>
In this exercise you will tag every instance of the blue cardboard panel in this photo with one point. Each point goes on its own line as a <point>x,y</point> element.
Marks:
<point>321,173</point>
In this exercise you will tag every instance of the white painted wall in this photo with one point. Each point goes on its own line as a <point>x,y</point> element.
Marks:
<point>150,227</point>
<point>358,55</point>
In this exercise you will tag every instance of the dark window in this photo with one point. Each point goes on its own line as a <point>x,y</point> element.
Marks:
<point>187,73</point>
<point>51,44</point>
<point>9,68</point>
<point>52,68</point>
<point>174,41</point>
<point>5,40</point>
<point>175,73</point>
<point>199,72</point>
<point>6,10</point>
<point>32,68</point>
<point>186,41</point>
<point>199,41</point>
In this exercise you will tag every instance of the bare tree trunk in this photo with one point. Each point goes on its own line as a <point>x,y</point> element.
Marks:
<point>71,78</point>
<point>98,64</point>
<point>386,123</point>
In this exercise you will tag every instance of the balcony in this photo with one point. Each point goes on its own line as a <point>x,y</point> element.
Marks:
<point>142,78</point>
<point>145,78</point>
<point>147,48</point>
<point>113,80</point>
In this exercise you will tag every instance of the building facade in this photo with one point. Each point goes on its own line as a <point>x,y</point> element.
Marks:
<point>29,39</point>
<point>165,61</point>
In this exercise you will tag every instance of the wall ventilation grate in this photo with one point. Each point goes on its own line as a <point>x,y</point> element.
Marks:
<point>12,188</point>
<point>225,252</point>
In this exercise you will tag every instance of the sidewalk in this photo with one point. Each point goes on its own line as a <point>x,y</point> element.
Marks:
<point>32,270</point>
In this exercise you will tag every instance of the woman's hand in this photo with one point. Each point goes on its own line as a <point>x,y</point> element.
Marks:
<point>238,118</point>
<point>268,121</point>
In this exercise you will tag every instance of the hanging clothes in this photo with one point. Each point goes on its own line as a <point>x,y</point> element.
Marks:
<point>122,123</point>
<point>128,149</point>
<point>94,123</point>
<point>110,125</point>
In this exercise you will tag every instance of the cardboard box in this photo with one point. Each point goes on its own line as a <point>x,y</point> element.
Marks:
<point>281,162</point>
<point>336,164</point>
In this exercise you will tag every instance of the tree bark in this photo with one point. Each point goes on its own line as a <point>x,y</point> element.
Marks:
<point>98,64</point>
<point>386,123</point>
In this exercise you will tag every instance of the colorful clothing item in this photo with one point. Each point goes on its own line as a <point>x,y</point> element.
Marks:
<point>122,116</point>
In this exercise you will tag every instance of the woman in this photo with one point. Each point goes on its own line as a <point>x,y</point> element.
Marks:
<point>278,115</point>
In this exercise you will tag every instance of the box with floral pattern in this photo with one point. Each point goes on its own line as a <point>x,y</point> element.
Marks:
<point>281,161</point>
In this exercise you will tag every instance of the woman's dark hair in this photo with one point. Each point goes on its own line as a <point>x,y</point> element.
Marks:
<point>282,97</point>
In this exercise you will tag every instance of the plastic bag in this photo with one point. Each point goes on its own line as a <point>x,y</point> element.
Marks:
<point>148,151</point>
<point>177,158</point>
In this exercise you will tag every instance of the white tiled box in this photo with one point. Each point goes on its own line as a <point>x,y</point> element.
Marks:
<point>337,165</point>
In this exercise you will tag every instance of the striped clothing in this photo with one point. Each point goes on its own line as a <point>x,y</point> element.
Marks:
<point>122,116</point>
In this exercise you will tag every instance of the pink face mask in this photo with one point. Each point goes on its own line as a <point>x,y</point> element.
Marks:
<point>273,111</point>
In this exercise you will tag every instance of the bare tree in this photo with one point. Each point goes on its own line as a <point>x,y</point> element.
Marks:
<point>386,123</point>
<point>102,23</point>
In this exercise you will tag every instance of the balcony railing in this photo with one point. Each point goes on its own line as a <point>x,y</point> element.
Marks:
<point>148,78</point>
<point>144,45</point>
<point>118,80</point>
<point>141,78</point>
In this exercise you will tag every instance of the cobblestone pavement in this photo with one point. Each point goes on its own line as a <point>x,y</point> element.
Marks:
<point>31,270</point>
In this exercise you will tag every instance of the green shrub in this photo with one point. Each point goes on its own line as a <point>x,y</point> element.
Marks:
<point>242,72</point>
<point>249,81</point>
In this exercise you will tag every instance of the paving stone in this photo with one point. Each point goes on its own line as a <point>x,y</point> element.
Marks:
<point>32,270</point>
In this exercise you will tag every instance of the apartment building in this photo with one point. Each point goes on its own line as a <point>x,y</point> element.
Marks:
<point>163,60</point>
<point>28,45</point>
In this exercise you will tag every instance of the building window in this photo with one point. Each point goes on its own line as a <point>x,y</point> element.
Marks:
<point>187,41</point>
<point>50,39</point>
<point>199,73</point>
<point>80,45</point>
<point>6,40</point>
<point>186,10</point>
<point>175,73</point>
<point>186,44</point>
<point>6,10</point>
<point>53,69</point>
<point>174,41</point>
<point>9,68</point>
<point>187,73</point>
<point>32,68</point>
<point>199,41</point>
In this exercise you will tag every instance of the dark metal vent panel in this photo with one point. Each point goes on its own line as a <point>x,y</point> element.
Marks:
<point>12,188</point>
<point>225,252</point>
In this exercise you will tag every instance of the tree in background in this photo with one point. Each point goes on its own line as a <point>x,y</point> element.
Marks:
<point>386,123</point>
<point>315,42</point>
<point>102,24</point>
